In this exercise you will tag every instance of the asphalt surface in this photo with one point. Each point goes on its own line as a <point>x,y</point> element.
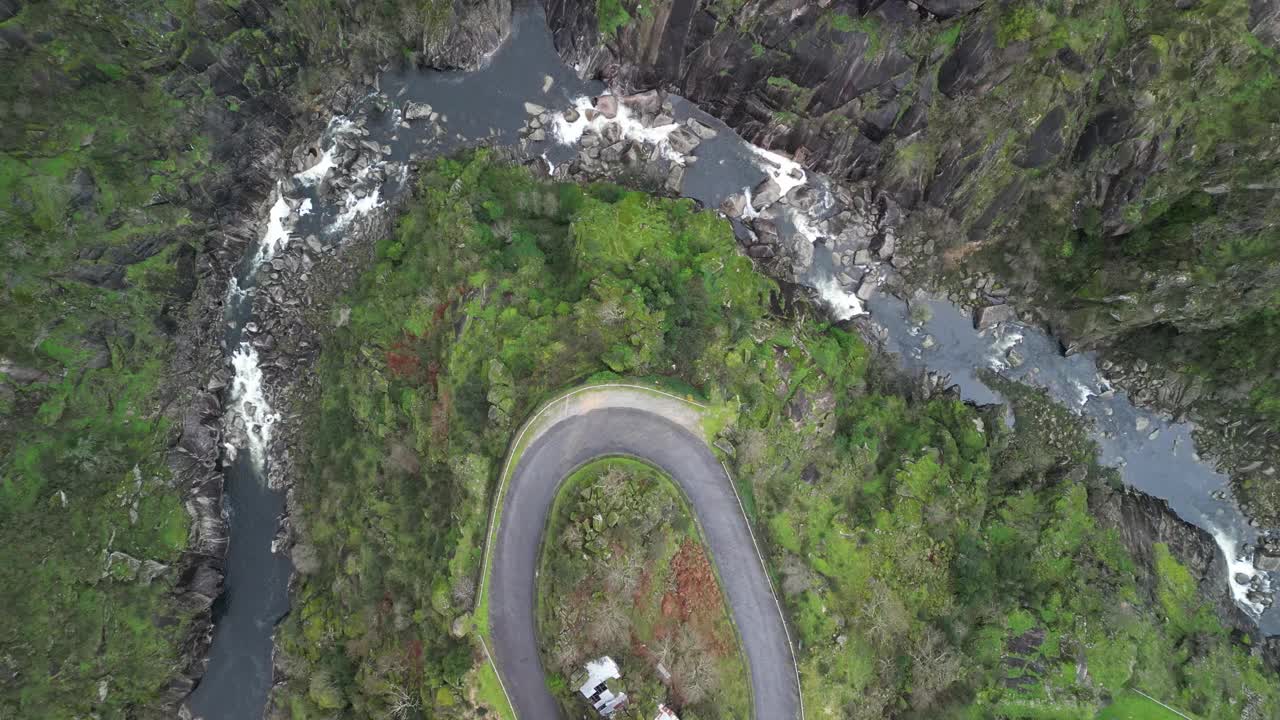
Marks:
<point>578,438</point>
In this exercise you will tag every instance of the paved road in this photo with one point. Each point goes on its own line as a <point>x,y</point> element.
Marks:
<point>658,431</point>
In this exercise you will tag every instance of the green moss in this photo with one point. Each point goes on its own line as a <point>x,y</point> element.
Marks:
<point>842,23</point>
<point>1018,23</point>
<point>611,16</point>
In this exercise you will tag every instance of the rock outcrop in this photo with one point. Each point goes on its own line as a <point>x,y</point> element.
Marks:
<point>478,27</point>
<point>1116,172</point>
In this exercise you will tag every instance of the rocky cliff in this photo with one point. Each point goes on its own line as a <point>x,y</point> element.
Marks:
<point>1113,165</point>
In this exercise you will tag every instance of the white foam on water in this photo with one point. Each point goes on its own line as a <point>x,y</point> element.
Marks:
<point>804,225</point>
<point>235,293</point>
<point>748,210</point>
<point>338,126</point>
<point>353,206</point>
<point>1005,339</point>
<point>277,235</point>
<point>1237,564</point>
<point>249,402</point>
<point>788,173</point>
<point>569,133</point>
<point>305,207</point>
<point>316,173</point>
<point>1083,392</point>
<point>844,304</point>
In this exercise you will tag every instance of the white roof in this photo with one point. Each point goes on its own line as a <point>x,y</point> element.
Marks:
<point>598,671</point>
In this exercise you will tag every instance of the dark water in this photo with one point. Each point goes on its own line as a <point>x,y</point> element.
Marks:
<point>487,107</point>
<point>1154,455</point>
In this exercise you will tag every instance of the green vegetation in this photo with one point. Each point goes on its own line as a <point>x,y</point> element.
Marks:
<point>120,137</point>
<point>103,160</point>
<point>610,17</point>
<point>932,562</point>
<point>1017,24</point>
<point>1132,706</point>
<point>624,573</point>
<point>495,292</point>
<point>843,23</point>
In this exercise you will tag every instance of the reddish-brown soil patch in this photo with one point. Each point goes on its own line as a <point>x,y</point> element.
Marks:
<point>671,607</point>
<point>696,586</point>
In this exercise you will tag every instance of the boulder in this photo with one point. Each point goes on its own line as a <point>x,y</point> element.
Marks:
<point>416,111</point>
<point>675,179</point>
<point>21,375</point>
<point>606,105</point>
<point>765,194</point>
<point>645,103</point>
<point>734,205</point>
<point>1266,562</point>
<point>701,129</point>
<point>949,8</point>
<point>993,315</point>
<point>683,141</point>
<point>111,277</point>
<point>968,65</point>
<point>9,8</point>
<point>1045,143</point>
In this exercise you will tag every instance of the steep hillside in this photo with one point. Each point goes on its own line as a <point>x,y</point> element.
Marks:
<point>1114,164</point>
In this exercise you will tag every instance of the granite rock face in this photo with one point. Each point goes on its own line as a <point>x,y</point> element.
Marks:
<point>987,131</point>
<point>477,29</point>
<point>1115,172</point>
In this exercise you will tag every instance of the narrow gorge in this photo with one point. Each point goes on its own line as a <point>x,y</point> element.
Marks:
<point>1000,258</point>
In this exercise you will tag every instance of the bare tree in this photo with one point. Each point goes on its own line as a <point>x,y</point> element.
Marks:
<point>694,671</point>
<point>935,665</point>
<point>608,626</point>
<point>622,574</point>
<point>614,480</point>
<point>611,313</point>
<point>401,702</point>
<point>884,616</point>
<point>565,655</point>
<point>664,650</point>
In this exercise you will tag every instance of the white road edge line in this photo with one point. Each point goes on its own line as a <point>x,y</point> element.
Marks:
<point>772,591</point>
<point>1166,707</point>
<point>502,488</point>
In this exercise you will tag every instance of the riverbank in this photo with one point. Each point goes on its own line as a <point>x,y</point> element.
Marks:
<point>794,466</point>
<point>1007,167</point>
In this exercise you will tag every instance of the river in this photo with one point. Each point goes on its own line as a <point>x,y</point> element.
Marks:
<point>488,106</point>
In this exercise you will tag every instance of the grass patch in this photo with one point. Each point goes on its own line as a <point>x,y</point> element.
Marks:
<point>611,16</point>
<point>1130,705</point>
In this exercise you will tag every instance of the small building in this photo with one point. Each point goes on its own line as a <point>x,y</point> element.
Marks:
<point>666,713</point>
<point>600,686</point>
